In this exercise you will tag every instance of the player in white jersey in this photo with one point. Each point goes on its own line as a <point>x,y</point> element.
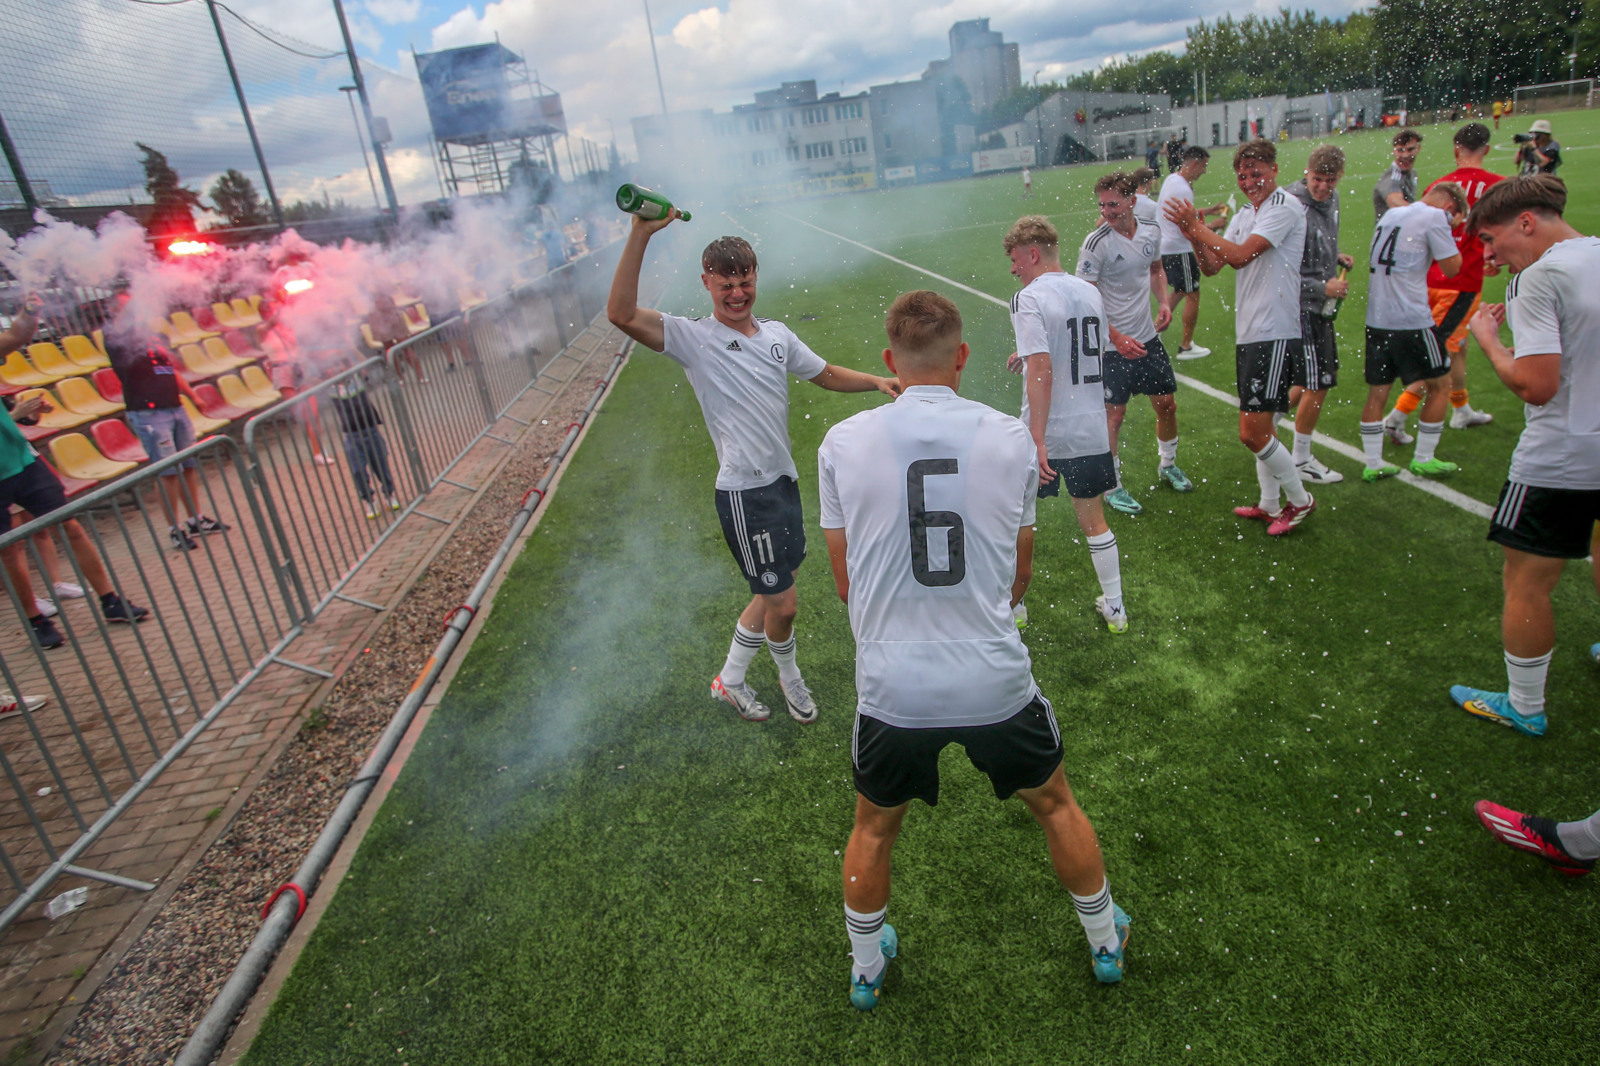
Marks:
<point>1144,207</point>
<point>1123,260</point>
<point>1551,498</point>
<point>1177,257</point>
<point>1264,243</point>
<point>738,366</point>
<point>1059,321</point>
<point>928,511</point>
<point>1402,341</point>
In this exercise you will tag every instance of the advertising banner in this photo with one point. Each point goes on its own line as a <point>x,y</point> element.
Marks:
<point>1002,159</point>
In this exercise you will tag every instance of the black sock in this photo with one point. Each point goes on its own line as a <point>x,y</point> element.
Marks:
<point>107,599</point>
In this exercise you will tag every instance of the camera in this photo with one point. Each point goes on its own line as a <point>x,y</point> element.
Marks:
<point>1522,138</point>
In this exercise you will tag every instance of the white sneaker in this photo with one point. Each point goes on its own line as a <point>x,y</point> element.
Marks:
<point>321,460</point>
<point>9,707</point>
<point>1394,427</point>
<point>802,706</point>
<point>1116,618</point>
<point>68,591</point>
<point>1317,474</point>
<point>743,698</point>
<point>44,606</point>
<point>1194,351</point>
<point>1464,417</point>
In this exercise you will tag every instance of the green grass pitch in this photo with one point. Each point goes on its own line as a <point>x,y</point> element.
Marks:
<point>587,860</point>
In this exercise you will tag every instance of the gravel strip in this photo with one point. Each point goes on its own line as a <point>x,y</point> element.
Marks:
<point>147,1008</point>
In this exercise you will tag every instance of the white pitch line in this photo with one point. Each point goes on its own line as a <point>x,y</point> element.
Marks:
<point>1432,488</point>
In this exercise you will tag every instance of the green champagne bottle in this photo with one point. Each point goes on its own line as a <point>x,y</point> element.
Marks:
<point>637,200</point>
<point>1330,307</point>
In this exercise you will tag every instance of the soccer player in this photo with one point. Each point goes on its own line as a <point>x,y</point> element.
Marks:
<point>1551,497</point>
<point>738,366</point>
<point>1455,299</point>
<point>1401,339</point>
<point>1059,321</point>
<point>1123,260</point>
<point>1264,244</point>
<point>1177,258</point>
<point>1317,369</point>
<point>928,511</point>
<point>1027,183</point>
<point>1571,847</point>
<point>1143,206</point>
<point>1397,186</point>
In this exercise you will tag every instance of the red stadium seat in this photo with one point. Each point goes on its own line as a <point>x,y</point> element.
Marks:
<point>212,404</point>
<point>72,485</point>
<point>109,384</point>
<point>117,441</point>
<point>207,319</point>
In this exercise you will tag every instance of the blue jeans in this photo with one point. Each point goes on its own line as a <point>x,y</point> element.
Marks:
<point>163,431</point>
<point>364,448</point>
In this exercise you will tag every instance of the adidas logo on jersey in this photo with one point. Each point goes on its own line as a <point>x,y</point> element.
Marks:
<point>733,346</point>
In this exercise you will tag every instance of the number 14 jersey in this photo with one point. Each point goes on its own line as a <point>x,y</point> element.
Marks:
<point>931,491</point>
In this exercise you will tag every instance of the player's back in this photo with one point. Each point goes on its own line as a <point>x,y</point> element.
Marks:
<point>1405,243</point>
<point>931,492</point>
<point>1065,316</point>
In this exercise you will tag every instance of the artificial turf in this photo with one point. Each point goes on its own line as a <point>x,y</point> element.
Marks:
<point>587,860</point>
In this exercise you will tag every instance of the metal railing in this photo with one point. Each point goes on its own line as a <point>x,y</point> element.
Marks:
<point>128,700</point>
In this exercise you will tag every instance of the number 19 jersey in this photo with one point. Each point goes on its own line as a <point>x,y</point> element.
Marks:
<point>1064,316</point>
<point>931,491</point>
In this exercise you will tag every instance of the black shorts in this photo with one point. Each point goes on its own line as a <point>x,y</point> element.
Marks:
<point>1264,370</point>
<point>894,765</point>
<point>1148,375</point>
<point>1407,354</point>
<point>36,490</point>
<point>1086,477</point>
<point>1317,366</point>
<point>1558,523</point>
<point>1183,271</point>
<point>766,533</point>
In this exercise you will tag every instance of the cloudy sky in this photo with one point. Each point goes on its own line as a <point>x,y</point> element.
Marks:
<point>171,88</point>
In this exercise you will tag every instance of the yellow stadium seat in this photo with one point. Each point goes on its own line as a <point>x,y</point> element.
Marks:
<point>82,350</point>
<point>59,416</point>
<point>402,300</point>
<point>203,424</point>
<point>471,298</point>
<point>198,364</point>
<point>258,382</point>
<point>227,316</point>
<point>416,318</point>
<point>100,342</point>
<point>239,394</point>
<point>16,370</point>
<point>246,313</point>
<point>219,354</point>
<point>372,342</point>
<point>80,395</point>
<point>47,359</point>
<point>77,457</point>
<point>185,330</point>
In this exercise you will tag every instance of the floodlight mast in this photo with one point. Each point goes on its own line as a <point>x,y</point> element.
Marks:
<point>249,124</point>
<point>366,109</point>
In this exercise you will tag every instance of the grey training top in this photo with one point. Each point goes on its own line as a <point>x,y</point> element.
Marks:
<point>1394,180</point>
<point>1320,261</point>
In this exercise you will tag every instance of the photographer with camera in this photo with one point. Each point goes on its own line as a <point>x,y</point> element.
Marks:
<point>1539,152</point>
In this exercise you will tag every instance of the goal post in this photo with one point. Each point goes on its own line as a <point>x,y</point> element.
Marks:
<point>1554,96</point>
<point>1132,144</point>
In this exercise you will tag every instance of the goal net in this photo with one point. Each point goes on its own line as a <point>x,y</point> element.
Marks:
<point>1554,96</point>
<point>1132,144</point>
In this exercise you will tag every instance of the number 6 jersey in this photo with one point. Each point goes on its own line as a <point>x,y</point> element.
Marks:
<point>931,491</point>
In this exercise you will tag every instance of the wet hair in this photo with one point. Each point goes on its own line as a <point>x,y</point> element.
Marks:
<point>1326,160</point>
<point>731,257</point>
<point>1259,150</point>
<point>1458,195</point>
<point>1474,137</point>
<point>1544,194</point>
<point>1118,182</point>
<point>1194,151</point>
<point>1143,176</point>
<point>1406,137</point>
<point>922,322</point>
<point>1031,229</point>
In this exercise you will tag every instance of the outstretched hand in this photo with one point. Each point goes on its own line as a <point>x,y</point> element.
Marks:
<point>1182,213</point>
<point>651,226</point>
<point>890,387</point>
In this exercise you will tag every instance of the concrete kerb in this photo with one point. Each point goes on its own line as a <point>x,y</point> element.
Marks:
<point>151,905</point>
<point>249,1023</point>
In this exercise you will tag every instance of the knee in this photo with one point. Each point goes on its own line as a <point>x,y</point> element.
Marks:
<point>1166,406</point>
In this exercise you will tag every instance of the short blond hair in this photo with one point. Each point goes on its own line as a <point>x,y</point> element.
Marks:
<point>1457,195</point>
<point>923,326</point>
<point>1031,229</point>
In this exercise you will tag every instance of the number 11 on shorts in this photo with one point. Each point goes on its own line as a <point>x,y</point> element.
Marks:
<point>762,542</point>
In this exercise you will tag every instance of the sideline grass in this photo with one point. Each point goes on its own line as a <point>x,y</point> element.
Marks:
<point>586,860</point>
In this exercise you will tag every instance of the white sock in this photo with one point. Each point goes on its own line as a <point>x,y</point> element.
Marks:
<point>1270,490</point>
<point>1098,917</point>
<point>1107,566</point>
<point>1168,450</point>
<point>866,947</point>
<point>783,655</point>
<point>1302,448</point>
<point>1372,443</point>
<point>1276,458</point>
<point>741,653</point>
<point>1428,434</point>
<point>1395,417</point>
<point>1581,838</point>
<point>1526,678</point>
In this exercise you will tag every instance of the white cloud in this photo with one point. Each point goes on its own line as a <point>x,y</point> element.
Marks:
<point>394,12</point>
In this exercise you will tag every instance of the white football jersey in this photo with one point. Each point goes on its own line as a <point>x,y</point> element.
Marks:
<point>1174,187</point>
<point>1064,316</point>
<point>1554,306</point>
<point>1267,289</point>
<point>1405,243</point>
<point>742,384</point>
<point>931,491</point>
<point>1120,268</point>
<point>1146,209</point>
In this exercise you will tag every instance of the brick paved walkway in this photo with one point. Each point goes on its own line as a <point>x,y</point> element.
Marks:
<point>178,665</point>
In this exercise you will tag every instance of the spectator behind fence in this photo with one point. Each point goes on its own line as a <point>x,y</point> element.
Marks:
<point>364,445</point>
<point>27,481</point>
<point>287,364</point>
<point>388,328</point>
<point>152,389</point>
